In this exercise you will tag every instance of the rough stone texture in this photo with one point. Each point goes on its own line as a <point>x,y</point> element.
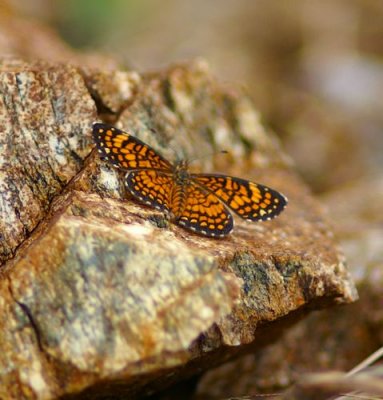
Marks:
<point>45,116</point>
<point>112,309</point>
<point>106,296</point>
<point>112,90</point>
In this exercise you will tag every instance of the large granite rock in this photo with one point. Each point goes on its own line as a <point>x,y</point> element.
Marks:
<point>101,296</point>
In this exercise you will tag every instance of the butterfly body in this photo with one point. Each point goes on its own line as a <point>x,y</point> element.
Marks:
<point>182,181</point>
<point>197,202</point>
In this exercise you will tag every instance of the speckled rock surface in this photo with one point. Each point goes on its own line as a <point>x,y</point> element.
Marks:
<point>44,111</point>
<point>105,296</point>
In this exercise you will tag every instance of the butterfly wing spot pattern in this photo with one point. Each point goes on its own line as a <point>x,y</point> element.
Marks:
<point>249,200</point>
<point>200,203</point>
<point>150,187</point>
<point>204,213</point>
<point>126,151</point>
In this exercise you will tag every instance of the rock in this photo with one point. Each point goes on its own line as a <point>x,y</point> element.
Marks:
<point>101,296</point>
<point>112,90</point>
<point>111,301</point>
<point>44,112</point>
<point>336,339</point>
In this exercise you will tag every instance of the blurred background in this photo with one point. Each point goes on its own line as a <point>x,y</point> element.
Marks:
<point>314,69</point>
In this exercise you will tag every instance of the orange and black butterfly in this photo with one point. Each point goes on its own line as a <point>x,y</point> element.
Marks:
<point>197,202</point>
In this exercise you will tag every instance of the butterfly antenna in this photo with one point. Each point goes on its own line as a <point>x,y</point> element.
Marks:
<point>214,153</point>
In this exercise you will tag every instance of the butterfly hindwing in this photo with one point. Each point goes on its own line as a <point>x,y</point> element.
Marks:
<point>151,187</point>
<point>203,213</point>
<point>249,200</point>
<point>126,151</point>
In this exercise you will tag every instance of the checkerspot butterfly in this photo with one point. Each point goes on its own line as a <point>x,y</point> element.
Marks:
<point>197,202</point>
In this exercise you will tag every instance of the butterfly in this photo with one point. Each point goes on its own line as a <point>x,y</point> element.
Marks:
<point>200,203</point>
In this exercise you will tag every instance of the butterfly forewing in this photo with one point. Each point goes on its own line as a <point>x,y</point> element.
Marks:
<point>249,200</point>
<point>151,187</point>
<point>203,213</point>
<point>126,151</point>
